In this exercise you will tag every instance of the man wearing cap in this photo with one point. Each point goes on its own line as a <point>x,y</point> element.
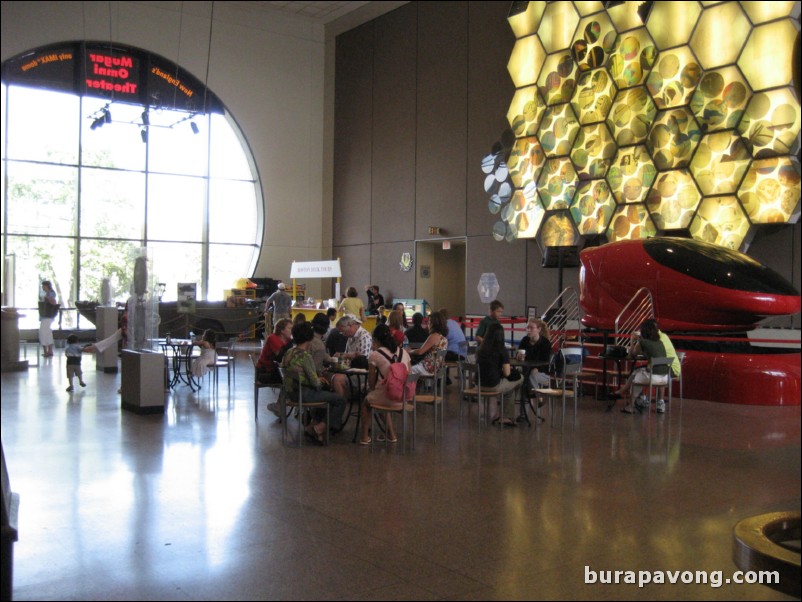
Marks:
<point>281,303</point>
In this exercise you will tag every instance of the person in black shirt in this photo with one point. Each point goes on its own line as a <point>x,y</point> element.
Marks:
<point>375,299</point>
<point>417,333</point>
<point>494,368</point>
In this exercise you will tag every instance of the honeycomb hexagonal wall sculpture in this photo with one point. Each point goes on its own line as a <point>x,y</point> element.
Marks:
<point>686,123</point>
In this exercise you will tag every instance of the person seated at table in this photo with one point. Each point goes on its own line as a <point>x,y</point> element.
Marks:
<point>493,360</point>
<point>396,324</point>
<point>299,361</point>
<point>650,346</point>
<point>403,309</point>
<point>299,318</point>
<point>353,305</point>
<point>272,352</point>
<point>493,317</point>
<point>208,355</point>
<point>536,347</point>
<point>457,345</point>
<point>436,341</point>
<point>321,357</point>
<point>416,334</point>
<point>357,348</point>
<point>385,351</point>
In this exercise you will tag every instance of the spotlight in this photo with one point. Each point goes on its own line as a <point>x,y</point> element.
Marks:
<point>107,115</point>
<point>145,117</point>
<point>195,128</point>
<point>144,134</point>
<point>98,122</point>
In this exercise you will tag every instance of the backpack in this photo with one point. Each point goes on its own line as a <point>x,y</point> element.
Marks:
<point>396,379</point>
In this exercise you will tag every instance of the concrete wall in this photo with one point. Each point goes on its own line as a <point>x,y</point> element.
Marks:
<point>422,95</point>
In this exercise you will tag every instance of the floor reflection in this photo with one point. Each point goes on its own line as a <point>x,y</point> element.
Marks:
<point>203,503</point>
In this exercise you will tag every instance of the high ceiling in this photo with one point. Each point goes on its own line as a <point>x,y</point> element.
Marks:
<point>318,12</point>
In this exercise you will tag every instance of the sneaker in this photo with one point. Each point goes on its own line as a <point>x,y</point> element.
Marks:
<point>661,406</point>
<point>83,384</point>
<point>274,407</point>
<point>70,389</point>
<point>641,403</point>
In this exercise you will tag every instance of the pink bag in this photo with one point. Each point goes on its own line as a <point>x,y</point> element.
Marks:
<point>396,379</point>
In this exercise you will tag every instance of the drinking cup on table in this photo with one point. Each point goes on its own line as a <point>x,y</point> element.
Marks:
<point>521,354</point>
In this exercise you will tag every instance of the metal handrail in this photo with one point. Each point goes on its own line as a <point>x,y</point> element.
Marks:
<point>639,308</point>
<point>563,316</point>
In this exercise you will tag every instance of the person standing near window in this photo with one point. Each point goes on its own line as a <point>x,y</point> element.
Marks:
<point>48,308</point>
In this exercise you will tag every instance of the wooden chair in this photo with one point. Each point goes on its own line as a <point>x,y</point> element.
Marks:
<point>567,388</point>
<point>389,408</point>
<point>276,387</point>
<point>471,389</point>
<point>434,394</point>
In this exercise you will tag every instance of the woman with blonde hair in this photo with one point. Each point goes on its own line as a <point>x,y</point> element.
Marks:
<point>536,347</point>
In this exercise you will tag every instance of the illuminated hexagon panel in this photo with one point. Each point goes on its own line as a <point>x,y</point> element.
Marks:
<point>557,80</point>
<point>594,97</point>
<point>720,100</point>
<point>770,191</point>
<point>558,26</point>
<point>674,78</point>
<point>771,123</point>
<point>593,207</point>
<point>593,151</point>
<point>760,65</point>
<point>632,174</point>
<point>673,200</point>
<point>593,42</point>
<point>720,163</point>
<point>525,162</point>
<point>558,230</point>
<point>631,116</point>
<point>557,183</point>
<point>525,61</point>
<point>631,222</point>
<point>720,34</point>
<point>525,111</point>
<point>671,23</point>
<point>558,130</point>
<point>720,221</point>
<point>625,129</point>
<point>673,139</point>
<point>632,58</point>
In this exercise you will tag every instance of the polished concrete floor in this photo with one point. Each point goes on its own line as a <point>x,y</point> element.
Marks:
<point>204,504</point>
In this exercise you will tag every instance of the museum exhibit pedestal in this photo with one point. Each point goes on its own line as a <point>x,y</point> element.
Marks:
<point>106,325</point>
<point>143,382</point>
<point>10,342</point>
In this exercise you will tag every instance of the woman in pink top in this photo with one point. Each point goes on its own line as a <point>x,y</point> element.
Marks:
<point>385,351</point>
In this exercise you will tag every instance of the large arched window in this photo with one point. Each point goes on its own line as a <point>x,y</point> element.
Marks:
<point>90,174</point>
